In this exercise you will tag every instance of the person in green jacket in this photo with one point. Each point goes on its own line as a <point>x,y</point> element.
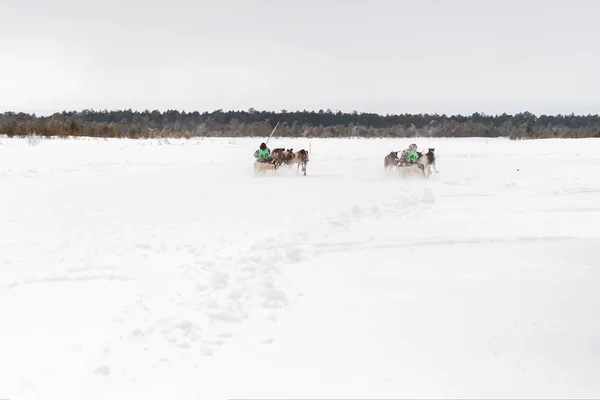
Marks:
<point>263,154</point>
<point>409,156</point>
<point>412,155</point>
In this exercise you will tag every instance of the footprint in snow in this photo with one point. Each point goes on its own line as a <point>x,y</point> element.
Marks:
<point>206,263</point>
<point>235,295</point>
<point>185,326</point>
<point>190,249</point>
<point>214,342</point>
<point>225,317</point>
<point>205,350</point>
<point>294,254</point>
<point>103,370</point>
<point>219,280</point>
<point>428,197</point>
<point>137,332</point>
<point>201,287</point>
<point>274,294</point>
<point>272,318</point>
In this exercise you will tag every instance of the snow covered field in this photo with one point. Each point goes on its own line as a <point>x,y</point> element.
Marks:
<point>165,270</point>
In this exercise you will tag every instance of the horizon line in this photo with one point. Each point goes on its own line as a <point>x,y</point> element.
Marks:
<point>283,110</point>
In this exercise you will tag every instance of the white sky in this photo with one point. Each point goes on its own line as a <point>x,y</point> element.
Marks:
<point>395,56</point>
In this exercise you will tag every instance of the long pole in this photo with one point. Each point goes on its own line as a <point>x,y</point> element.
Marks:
<point>272,133</point>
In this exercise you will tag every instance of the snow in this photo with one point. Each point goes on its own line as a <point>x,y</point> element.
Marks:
<point>164,269</point>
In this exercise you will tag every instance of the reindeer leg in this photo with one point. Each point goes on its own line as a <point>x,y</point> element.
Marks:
<point>304,168</point>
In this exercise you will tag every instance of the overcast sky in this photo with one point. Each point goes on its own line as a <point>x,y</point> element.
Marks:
<point>395,56</point>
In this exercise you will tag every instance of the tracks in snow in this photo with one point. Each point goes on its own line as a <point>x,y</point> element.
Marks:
<point>213,298</point>
<point>185,301</point>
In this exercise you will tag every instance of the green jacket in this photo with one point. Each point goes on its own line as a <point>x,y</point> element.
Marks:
<point>263,154</point>
<point>412,156</point>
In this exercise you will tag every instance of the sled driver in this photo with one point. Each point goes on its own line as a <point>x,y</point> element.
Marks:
<point>409,155</point>
<point>263,154</point>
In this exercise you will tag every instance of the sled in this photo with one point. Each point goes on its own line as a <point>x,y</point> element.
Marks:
<point>421,167</point>
<point>261,168</point>
<point>405,168</point>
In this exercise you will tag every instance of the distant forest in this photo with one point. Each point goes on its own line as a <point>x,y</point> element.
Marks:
<point>321,124</point>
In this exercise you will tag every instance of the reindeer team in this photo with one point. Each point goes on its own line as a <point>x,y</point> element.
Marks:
<point>411,158</point>
<point>279,157</point>
<point>288,157</point>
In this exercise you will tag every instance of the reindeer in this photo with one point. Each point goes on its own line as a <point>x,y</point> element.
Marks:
<point>427,160</point>
<point>282,156</point>
<point>391,160</point>
<point>301,158</point>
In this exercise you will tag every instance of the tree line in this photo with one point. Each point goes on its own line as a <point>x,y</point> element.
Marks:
<point>323,124</point>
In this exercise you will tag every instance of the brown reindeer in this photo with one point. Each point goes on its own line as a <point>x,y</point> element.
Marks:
<point>277,153</point>
<point>301,158</point>
<point>282,156</point>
